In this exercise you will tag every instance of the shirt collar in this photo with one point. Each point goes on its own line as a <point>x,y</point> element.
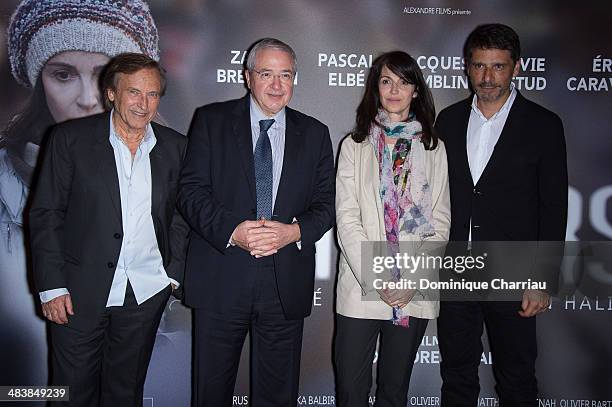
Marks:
<point>149,139</point>
<point>506,107</point>
<point>257,115</point>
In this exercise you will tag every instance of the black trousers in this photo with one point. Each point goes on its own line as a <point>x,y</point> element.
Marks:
<point>106,363</point>
<point>354,347</point>
<point>276,345</point>
<point>513,345</point>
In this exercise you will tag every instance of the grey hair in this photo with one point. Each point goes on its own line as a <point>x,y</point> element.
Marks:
<point>270,43</point>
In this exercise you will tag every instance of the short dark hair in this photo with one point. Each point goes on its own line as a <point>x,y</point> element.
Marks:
<point>493,36</point>
<point>404,66</point>
<point>128,63</point>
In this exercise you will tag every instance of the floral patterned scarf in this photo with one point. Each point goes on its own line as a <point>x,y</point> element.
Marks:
<point>404,190</point>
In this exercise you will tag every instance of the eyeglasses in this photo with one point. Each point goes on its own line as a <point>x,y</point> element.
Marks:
<point>386,82</point>
<point>268,76</point>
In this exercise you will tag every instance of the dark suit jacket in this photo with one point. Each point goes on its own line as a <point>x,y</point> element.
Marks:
<point>521,195</point>
<point>75,219</point>
<point>217,193</point>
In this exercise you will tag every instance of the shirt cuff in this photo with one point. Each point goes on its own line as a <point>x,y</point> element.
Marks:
<point>46,296</point>
<point>229,242</point>
<point>173,281</point>
<point>299,242</point>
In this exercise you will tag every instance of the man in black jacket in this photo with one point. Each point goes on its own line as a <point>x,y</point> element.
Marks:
<point>108,244</point>
<point>508,183</point>
<point>257,189</point>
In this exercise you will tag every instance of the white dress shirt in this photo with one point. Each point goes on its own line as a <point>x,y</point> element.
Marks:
<point>140,260</point>
<point>482,136</point>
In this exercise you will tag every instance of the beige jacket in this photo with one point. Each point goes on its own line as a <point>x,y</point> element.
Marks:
<point>359,216</point>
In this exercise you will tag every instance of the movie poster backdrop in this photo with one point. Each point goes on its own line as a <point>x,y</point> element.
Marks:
<point>565,66</point>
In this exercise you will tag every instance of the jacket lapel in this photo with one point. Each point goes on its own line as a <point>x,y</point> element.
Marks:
<point>107,168</point>
<point>370,172</point>
<point>465,164</point>
<point>290,172</point>
<point>156,157</point>
<point>241,127</point>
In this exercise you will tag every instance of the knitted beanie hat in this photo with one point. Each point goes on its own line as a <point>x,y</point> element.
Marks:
<point>39,29</point>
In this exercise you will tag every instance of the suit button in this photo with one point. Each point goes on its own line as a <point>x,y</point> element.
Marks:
<point>110,264</point>
<point>475,226</point>
<point>476,192</point>
<point>117,235</point>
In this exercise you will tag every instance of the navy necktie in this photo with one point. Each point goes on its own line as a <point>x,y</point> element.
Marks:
<point>263,171</point>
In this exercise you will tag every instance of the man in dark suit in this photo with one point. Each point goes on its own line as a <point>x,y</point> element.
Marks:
<point>108,244</point>
<point>508,182</point>
<point>257,189</point>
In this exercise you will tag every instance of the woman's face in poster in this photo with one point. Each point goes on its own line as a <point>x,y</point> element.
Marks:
<point>70,81</point>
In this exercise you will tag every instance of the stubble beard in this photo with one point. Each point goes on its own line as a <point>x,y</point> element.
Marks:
<point>491,96</point>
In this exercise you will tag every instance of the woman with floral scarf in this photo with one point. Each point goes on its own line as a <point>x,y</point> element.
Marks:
<point>391,188</point>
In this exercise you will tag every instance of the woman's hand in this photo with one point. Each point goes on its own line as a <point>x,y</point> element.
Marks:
<point>396,298</point>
